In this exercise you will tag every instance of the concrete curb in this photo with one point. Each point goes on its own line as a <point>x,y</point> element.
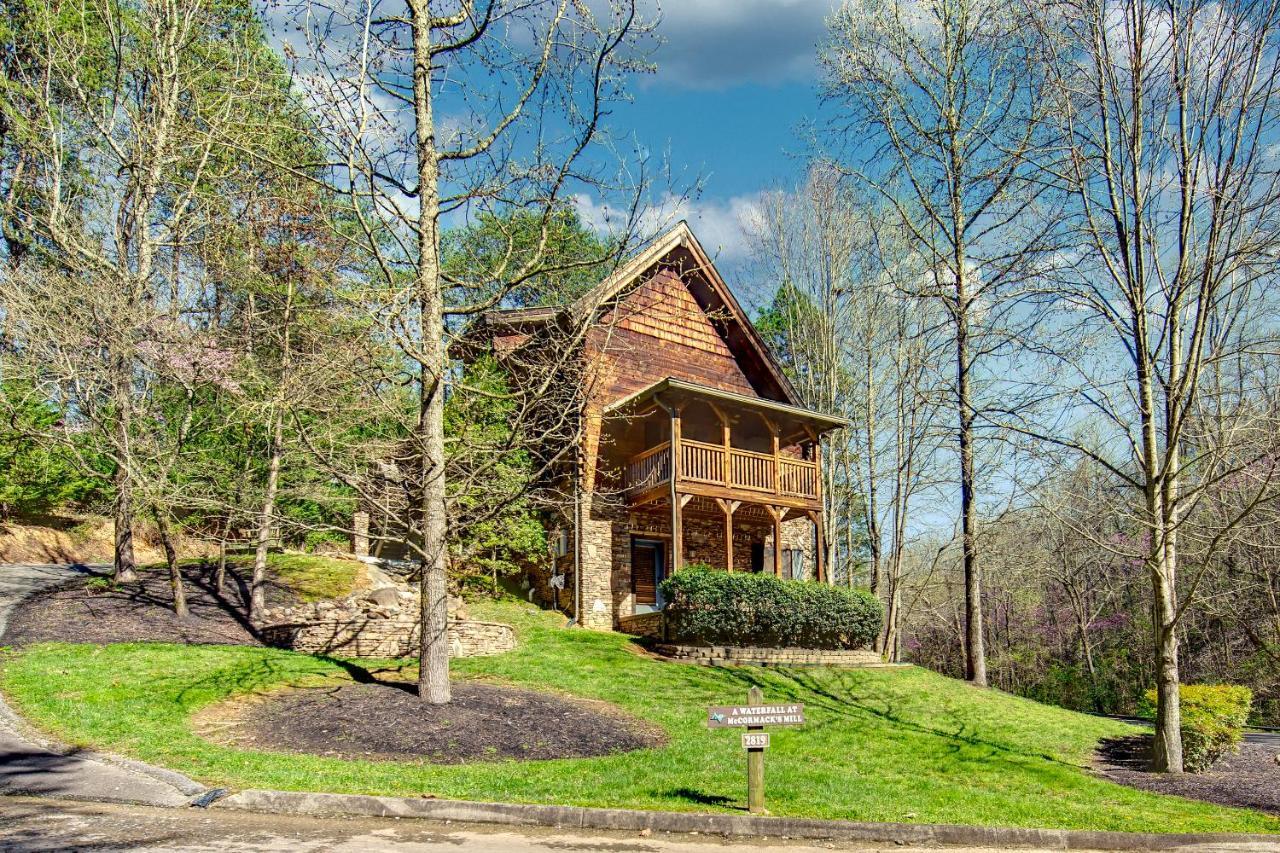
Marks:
<point>577,817</point>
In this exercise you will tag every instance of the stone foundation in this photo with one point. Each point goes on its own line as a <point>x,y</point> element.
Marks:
<point>387,638</point>
<point>745,655</point>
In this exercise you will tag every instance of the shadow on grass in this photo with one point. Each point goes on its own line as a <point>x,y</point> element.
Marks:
<point>363,675</point>
<point>841,694</point>
<point>702,798</point>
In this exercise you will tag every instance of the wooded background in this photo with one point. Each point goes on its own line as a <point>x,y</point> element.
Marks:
<point>1033,261</point>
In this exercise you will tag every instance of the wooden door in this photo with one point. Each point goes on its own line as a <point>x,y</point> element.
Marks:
<point>646,570</point>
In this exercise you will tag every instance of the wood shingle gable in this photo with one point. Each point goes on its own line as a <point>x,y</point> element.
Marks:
<point>656,293</point>
<point>666,312</point>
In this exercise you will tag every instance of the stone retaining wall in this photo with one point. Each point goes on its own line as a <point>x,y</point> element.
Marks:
<point>642,624</point>
<point>740,655</point>
<point>387,638</point>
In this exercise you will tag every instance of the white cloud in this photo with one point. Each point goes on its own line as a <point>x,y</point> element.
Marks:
<point>712,44</point>
<point>718,223</point>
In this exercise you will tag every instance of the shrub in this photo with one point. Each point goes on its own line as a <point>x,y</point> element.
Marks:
<point>1213,718</point>
<point>735,608</point>
<point>99,584</point>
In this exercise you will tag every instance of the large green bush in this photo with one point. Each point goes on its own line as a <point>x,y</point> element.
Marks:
<point>723,608</point>
<point>1213,718</point>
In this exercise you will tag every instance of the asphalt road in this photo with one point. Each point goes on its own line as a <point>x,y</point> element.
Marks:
<point>28,825</point>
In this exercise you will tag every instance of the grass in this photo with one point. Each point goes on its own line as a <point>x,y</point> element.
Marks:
<point>883,745</point>
<point>312,577</point>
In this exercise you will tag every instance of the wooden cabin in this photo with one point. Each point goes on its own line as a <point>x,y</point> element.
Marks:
<point>695,446</point>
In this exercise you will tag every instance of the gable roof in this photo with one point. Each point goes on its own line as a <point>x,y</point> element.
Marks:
<point>741,334</point>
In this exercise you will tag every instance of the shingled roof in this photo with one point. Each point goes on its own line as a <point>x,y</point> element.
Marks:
<point>678,247</point>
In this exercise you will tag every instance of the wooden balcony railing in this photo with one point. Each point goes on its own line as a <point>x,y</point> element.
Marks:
<point>648,469</point>
<point>704,463</point>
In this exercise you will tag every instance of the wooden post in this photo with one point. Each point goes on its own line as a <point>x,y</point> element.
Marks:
<point>777,465</point>
<point>726,469</point>
<point>729,508</point>
<point>677,505</point>
<point>728,458</point>
<point>755,761</point>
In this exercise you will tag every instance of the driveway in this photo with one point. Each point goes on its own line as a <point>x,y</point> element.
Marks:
<point>28,765</point>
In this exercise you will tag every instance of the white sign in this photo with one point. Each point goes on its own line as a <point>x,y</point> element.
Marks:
<point>724,716</point>
<point>755,740</point>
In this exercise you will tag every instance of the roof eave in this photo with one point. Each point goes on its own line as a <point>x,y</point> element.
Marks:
<point>670,383</point>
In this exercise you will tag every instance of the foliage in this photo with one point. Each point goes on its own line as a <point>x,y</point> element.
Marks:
<point>99,584</point>
<point>709,606</point>
<point>903,745</point>
<point>525,257</point>
<point>1213,720</point>
<point>37,474</point>
<point>495,530</point>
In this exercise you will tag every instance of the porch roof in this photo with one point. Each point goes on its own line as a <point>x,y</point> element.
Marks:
<point>680,387</point>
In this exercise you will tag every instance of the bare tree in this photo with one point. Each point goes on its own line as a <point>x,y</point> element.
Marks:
<point>433,111</point>
<point>809,250</point>
<point>1165,313</point>
<point>856,343</point>
<point>944,110</point>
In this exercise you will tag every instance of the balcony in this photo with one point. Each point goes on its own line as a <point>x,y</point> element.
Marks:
<point>703,470</point>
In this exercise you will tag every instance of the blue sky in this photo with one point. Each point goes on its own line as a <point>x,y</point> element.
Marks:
<point>736,82</point>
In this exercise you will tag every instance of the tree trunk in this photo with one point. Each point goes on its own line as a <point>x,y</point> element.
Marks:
<point>220,573</point>
<point>266,519</point>
<point>433,661</point>
<point>1167,750</point>
<point>171,560</point>
<point>975,652</point>
<point>124,563</point>
<point>893,612</point>
<point>873,511</point>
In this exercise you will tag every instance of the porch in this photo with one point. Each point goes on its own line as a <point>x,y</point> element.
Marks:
<point>712,476</point>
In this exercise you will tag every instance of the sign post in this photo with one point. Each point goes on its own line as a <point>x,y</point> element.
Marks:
<point>755,758</point>
<point>754,716</point>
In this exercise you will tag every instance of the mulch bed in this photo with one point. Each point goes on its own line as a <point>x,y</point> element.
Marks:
<point>139,612</point>
<point>1250,779</point>
<point>386,720</point>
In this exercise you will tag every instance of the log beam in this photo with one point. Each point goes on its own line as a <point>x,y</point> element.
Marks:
<point>729,508</point>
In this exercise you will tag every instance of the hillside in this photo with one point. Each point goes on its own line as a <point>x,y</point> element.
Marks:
<point>884,745</point>
<point>81,539</point>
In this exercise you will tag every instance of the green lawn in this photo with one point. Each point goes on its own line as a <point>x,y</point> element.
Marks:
<point>312,577</point>
<point>884,745</point>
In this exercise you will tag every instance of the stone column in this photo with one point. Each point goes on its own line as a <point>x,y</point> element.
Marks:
<point>596,564</point>
<point>360,533</point>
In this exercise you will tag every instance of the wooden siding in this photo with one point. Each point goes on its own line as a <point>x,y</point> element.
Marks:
<point>660,330</point>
